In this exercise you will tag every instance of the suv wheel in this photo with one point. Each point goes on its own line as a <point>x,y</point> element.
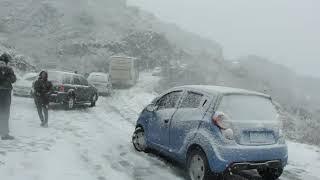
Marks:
<point>70,102</point>
<point>270,173</point>
<point>139,140</point>
<point>94,100</point>
<point>198,166</point>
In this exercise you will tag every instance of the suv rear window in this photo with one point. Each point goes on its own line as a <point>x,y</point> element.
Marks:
<point>55,76</point>
<point>60,77</point>
<point>248,108</point>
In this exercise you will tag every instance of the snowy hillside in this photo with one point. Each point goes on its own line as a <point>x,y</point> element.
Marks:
<point>94,144</point>
<point>55,31</point>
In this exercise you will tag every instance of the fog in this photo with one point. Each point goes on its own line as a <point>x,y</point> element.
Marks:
<point>110,66</point>
<point>286,31</point>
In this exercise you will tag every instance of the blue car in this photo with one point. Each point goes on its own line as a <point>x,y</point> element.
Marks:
<point>214,130</point>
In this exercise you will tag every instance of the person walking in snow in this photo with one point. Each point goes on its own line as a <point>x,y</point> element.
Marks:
<point>7,78</point>
<point>42,89</point>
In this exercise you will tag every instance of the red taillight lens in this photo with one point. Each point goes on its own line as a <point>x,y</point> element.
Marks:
<point>217,119</point>
<point>61,88</point>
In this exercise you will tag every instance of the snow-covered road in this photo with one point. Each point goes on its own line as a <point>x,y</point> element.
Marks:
<point>94,144</point>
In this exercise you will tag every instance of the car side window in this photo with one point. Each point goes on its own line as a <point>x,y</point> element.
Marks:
<point>83,81</point>
<point>169,100</point>
<point>76,80</point>
<point>191,100</point>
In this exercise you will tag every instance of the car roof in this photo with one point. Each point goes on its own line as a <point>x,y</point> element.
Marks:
<point>99,73</point>
<point>28,75</point>
<point>64,72</point>
<point>214,90</point>
<point>123,57</point>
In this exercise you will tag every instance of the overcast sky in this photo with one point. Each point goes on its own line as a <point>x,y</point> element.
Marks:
<point>285,31</point>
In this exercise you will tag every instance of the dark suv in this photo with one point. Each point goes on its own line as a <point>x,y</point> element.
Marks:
<point>70,89</point>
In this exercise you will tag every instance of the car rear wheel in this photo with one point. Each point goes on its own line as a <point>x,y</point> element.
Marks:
<point>270,173</point>
<point>139,140</point>
<point>198,166</point>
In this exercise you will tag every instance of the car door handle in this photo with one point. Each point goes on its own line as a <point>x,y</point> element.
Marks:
<point>166,121</point>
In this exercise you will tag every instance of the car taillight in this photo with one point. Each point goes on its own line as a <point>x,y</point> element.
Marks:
<point>219,119</point>
<point>61,88</point>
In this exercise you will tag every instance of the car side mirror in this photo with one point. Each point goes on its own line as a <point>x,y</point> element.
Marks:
<point>151,108</point>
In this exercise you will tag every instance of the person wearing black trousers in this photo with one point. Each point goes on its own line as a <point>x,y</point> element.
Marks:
<point>7,78</point>
<point>42,89</point>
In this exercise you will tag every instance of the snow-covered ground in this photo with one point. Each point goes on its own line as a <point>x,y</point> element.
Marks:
<point>95,144</point>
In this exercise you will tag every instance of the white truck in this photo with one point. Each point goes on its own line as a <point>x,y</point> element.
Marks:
<point>124,71</point>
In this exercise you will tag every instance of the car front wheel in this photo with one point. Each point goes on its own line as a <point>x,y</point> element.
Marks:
<point>198,166</point>
<point>139,140</point>
<point>270,173</point>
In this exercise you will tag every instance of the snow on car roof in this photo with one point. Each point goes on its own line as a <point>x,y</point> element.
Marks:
<point>123,57</point>
<point>99,73</point>
<point>222,90</point>
<point>62,72</point>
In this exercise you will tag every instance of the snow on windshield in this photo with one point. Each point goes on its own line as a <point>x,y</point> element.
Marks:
<point>249,108</point>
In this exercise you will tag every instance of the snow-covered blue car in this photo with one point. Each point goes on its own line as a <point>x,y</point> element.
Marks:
<point>214,130</point>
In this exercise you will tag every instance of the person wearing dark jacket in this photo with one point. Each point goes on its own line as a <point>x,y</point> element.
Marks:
<point>7,78</point>
<point>42,89</point>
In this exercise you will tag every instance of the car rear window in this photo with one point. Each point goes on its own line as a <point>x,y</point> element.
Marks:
<point>55,76</point>
<point>98,78</point>
<point>248,108</point>
<point>60,77</point>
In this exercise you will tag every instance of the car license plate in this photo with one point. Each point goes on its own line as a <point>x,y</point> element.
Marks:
<point>258,137</point>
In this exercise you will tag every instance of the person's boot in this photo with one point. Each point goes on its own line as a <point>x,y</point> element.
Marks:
<point>42,124</point>
<point>7,137</point>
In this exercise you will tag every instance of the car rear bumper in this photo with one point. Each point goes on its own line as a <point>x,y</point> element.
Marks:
<point>121,83</point>
<point>247,157</point>
<point>103,90</point>
<point>236,167</point>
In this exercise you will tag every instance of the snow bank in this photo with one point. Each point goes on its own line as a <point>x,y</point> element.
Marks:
<point>132,101</point>
<point>304,160</point>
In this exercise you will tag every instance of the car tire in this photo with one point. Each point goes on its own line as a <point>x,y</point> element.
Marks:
<point>139,140</point>
<point>69,105</point>
<point>270,173</point>
<point>198,166</point>
<point>94,100</point>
